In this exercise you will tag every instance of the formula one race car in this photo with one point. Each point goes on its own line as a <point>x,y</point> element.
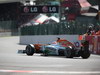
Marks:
<point>60,47</point>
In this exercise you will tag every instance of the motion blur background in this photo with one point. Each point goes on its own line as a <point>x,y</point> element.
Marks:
<point>74,17</point>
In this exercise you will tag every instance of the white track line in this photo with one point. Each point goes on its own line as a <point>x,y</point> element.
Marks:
<point>52,72</point>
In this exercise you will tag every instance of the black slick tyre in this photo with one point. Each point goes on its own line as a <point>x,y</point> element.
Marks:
<point>29,50</point>
<point>85,54</point>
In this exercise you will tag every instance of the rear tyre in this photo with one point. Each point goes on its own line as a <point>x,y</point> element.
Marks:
<point>29,50</point>
<point>85,54</point>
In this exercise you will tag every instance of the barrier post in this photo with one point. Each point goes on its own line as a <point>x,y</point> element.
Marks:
<point>98,45</point>
<point>91,42</point>
<point>95,44</point>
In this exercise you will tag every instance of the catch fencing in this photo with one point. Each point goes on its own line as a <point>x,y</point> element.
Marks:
<point>56,28</point>
<point>8,28</point>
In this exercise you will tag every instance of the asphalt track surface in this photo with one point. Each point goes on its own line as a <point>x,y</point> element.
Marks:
<point>12,63</point>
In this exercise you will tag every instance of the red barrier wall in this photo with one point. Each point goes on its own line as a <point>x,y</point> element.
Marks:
<point>94,43</point>
<point>98,47</point>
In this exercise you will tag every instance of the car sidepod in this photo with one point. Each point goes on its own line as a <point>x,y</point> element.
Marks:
<point>54,50</point>
<point>50,50</point>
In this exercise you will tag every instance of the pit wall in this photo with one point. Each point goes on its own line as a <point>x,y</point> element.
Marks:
<point>46,39</point>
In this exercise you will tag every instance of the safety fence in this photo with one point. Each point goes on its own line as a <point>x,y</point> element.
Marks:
<point>8,27</point>
<point>55,29</point>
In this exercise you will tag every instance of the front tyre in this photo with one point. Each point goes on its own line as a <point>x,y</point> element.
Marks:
<point>29,50</point>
